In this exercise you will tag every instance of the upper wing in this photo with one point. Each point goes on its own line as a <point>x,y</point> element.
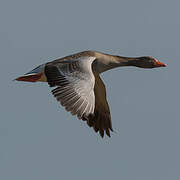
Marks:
<point>75,85</point>
<point>101,119</point>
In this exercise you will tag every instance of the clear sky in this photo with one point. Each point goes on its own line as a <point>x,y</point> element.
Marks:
<point>39,140</point>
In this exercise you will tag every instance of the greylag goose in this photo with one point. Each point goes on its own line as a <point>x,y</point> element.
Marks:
<point>78,86</point>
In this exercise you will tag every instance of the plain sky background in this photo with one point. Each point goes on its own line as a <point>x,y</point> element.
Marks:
<point>39,140</point>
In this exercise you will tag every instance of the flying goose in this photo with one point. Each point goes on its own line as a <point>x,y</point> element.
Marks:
<point>79,87</point>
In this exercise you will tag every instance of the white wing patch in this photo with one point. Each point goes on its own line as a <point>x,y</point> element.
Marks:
<point>75,85</point>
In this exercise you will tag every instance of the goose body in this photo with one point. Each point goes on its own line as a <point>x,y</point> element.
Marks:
<point>79,87</point>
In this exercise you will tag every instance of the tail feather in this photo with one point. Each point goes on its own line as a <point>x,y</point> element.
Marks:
<point>34,75</point>
<point>29,78</point>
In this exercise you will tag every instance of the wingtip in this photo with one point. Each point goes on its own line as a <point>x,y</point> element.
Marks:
<point>101,134</point>
<point>108,133</point>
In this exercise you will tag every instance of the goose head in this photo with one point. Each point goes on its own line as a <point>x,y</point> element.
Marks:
<point>147,62</point>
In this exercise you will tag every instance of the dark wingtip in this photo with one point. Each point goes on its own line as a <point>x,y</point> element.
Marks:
<point>99,123</point>
<point>101,132</point>
<point>95,129</point>
<point>108,133</point>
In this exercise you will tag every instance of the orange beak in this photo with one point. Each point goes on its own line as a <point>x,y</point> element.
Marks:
<point>159,64</point>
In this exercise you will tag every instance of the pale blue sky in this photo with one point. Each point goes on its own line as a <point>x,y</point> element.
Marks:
<point>39,140</point>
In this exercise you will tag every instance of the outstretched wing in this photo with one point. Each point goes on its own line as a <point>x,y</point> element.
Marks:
<point>75,85</point>
<point>101,119</point>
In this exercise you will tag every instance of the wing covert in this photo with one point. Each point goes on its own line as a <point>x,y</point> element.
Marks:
<point>75,81</point>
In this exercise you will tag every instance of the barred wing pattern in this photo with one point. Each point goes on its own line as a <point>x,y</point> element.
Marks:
<point>75,85</point>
